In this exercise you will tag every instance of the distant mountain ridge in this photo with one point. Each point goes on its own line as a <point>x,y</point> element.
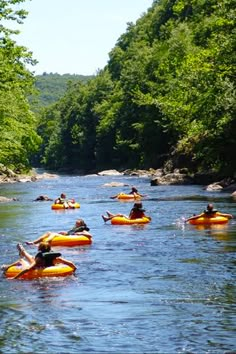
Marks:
<point>53,86</point>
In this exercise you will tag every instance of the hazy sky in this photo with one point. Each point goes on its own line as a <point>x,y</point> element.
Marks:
<point>75,36</point>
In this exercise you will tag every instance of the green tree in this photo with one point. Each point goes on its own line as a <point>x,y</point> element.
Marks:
<point>19,140</point>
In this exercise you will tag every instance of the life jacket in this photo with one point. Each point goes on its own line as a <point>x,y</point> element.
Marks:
<point>47,258</point>
<point>210,212</point>
<point>136,214</point>
<point>77,229</point>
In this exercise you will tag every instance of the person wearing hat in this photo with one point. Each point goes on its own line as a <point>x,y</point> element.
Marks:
<point>135,213</point>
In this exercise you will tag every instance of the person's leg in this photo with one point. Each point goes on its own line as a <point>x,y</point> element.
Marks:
<point>50,236</point>
<point>24,253</point>
<point>38,240</point>
<point>106,218</point>
<point>109,214</point>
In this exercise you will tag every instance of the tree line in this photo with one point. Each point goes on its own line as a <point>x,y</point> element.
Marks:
<point>166,96</point>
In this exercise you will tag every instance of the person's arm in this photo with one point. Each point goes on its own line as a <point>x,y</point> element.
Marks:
<point>83,233</point>
<point>194,217</point>
<point>142,195</point>
<point>25,270</point>
<point>145,216</point>
<point>65,261</point>
<point>229,216</point>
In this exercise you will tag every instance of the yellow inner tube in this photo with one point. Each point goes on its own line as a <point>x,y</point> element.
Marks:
<point>62,207</point>
<point>208,220</point>
<point>121,220</point>
<point>70,240</point>
<point>128,196</point>
<point>59,270</point>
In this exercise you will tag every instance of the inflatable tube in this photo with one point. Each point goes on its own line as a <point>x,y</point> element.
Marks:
<point>209,220</point>
<point>121,220</point>
<point>59,270</point>
<point>128,196</point>
<point>70,240</point>
<point>61,206</point>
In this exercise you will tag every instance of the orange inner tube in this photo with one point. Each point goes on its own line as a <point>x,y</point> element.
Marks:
<point>59,270</point>
<point>128,196</point>
<point>70,240</point>
<point>208,220</point>
<point>62,207</point>
<point>122,220</point>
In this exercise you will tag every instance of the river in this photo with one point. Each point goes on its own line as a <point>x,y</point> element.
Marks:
<point>165,287</point>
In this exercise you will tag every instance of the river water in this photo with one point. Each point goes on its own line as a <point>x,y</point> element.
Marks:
<point>165,287</point>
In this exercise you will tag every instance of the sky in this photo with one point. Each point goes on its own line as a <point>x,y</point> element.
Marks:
<point>76,36</point>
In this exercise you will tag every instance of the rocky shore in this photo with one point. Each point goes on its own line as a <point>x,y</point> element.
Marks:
<point>157,177</point>
<point>8,176</point>
<point>209,181</point>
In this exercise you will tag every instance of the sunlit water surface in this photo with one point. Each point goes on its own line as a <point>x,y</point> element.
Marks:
<point>165,287</point>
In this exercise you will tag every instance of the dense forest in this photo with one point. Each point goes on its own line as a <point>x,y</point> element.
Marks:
<point>165,97</point>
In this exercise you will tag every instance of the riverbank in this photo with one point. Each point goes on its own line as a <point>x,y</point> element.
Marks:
<point>209,181</point>
<point>9,176</point>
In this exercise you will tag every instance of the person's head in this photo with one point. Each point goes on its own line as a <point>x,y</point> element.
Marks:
<point>133,189</point>
<point>138,206</point>
<point>63,195</point>
<point>44,247</point>
<point>210,207</point>
<point>80,222</point>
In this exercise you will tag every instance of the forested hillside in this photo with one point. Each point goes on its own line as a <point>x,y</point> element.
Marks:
<point>167,94</point>
<point>52,86</point>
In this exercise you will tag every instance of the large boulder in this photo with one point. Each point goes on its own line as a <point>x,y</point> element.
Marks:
<point>110,173</point>
<point>116,184</point>
<point>172,179</point>
<point>213,187</point>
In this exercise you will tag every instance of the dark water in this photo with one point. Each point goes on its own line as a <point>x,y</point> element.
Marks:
<point>164,287</point>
